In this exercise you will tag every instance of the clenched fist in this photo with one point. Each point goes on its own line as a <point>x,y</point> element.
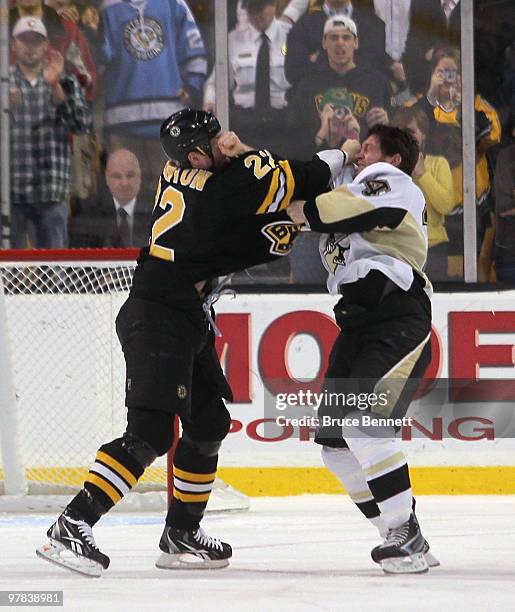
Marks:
<point>351,148</point>
<point>230,145</point>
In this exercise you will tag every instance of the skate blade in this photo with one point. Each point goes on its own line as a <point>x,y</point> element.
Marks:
<point>414,564</point>
<point>57,553</point>
<point>188,561</point>
<point>432,561</point>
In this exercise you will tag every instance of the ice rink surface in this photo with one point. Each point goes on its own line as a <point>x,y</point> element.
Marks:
<point>290,554</point>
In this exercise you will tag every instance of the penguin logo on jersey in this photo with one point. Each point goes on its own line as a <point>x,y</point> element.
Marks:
<point>334,252</point>
<point>144,41</point>
<point>375,188</point>
<point>339,258</point>
<point>281,236</point>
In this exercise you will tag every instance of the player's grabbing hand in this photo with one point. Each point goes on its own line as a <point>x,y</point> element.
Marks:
<point>296,211</point>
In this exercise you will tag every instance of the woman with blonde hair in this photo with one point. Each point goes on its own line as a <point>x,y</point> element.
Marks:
<point>433,175</point>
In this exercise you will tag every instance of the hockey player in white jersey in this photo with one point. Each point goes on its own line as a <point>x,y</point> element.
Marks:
<point>374,247</point>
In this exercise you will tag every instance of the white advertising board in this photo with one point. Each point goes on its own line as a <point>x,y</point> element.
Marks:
<point>267,337</point>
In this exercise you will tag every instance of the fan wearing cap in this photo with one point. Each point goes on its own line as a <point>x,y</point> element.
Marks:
<point>305,37</point>
<point>337,90</point>
<point>47,106</point>
<point>63,36</point>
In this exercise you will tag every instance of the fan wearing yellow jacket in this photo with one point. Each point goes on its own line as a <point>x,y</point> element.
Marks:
<point>442,104</point>
<point>434,177</point>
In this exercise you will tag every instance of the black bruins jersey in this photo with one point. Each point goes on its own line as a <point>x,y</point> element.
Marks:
<point>207,224</point>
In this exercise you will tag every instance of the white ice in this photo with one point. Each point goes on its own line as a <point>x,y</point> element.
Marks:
<point>295,553</point>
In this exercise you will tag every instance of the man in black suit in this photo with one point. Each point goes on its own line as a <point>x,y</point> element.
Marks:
<point>118,215</point>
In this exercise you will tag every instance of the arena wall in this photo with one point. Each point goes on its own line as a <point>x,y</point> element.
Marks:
<point>272,338</point>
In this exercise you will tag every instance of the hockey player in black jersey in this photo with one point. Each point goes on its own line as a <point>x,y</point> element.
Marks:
<point>219,208</point>
<point>374,247</point>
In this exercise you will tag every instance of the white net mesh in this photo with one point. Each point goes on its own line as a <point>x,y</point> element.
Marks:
<point>67,369</point>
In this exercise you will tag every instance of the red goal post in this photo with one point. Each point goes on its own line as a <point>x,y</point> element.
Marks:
<point>62,377</point>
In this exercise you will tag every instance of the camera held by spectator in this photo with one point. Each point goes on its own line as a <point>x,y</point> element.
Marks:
<point>337,121</point>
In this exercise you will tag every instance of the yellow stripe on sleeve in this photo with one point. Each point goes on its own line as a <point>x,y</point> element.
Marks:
<point>117,467</point>
<point>99,482</point>
<point>272,191</point>
<point>192,476</point>
<point>290,184</point>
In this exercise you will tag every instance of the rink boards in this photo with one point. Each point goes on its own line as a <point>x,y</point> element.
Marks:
<point>276,337</point>
<point>268,341</point>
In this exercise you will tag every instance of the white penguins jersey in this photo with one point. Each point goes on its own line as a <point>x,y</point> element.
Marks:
<point>377,221</point>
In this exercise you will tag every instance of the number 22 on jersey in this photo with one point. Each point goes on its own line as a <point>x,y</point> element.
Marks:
<point>173,204</point>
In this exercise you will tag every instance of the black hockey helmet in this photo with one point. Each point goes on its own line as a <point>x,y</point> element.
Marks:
<point>188,130</point>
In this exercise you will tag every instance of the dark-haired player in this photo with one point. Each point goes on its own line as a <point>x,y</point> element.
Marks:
<point>374,247</point>
<point>212,216</point>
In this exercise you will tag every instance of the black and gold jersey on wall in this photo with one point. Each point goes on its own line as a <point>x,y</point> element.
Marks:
<point>207,224</point>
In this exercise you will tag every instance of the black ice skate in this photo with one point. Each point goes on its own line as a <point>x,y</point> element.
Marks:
<point>191,549</point>
<point>72,545</point>
<point>403,551</point>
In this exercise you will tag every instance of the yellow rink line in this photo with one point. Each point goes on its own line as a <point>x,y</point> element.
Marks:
<point>277,481</point>
<point>458,480</point>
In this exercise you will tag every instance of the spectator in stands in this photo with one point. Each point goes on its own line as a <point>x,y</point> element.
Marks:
<point>305,39</point>
<point>433,175</point>
<point>337,124</point>
<point>433,24</point>
<point>507,90</point>
<point>204,15</point>
<point>64,36</point>
<point>86,16</point>
<point>494,33</point>
<point>237,17</point>
<point>257,81</point>
<point>442,105</point>
<point>504,185</point>
<point>119,215</point>
<point>155,65</point>
<point>47,106</point>
<point>396,17</point>
<point>334,79</point>
<point>337,120</point>
<point>294,10</point>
